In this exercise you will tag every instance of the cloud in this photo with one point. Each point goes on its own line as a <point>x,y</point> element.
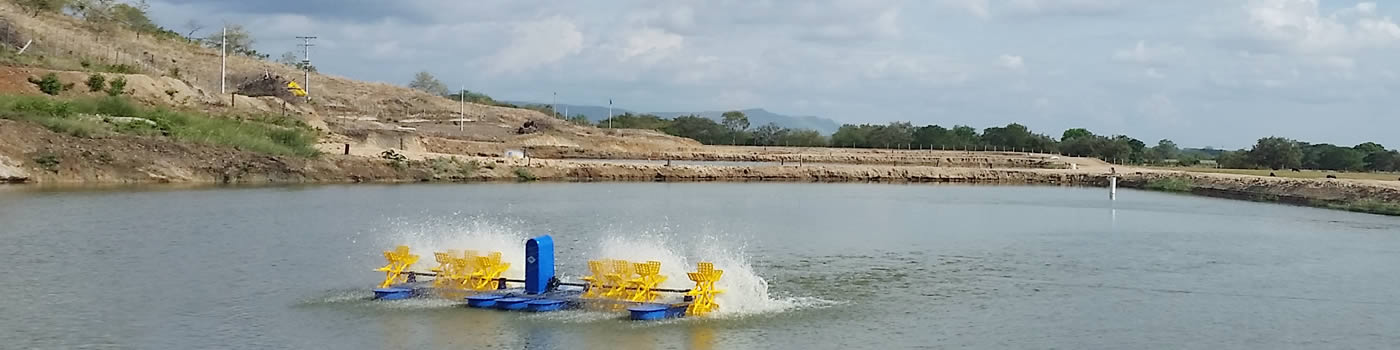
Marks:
<point>1301,26</point>
<point>940,61</point>
<point>1064,7</point>
<point>538,43</point>
<point>918,68</point>
<point>1153,73</point>
<point>1149,55</point>
<point>978,8</point>
<point>1012,62</point>
<point>650,45</point>
<point>1159,109</point>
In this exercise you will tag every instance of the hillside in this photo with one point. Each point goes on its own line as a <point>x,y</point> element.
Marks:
<point>351,111</point>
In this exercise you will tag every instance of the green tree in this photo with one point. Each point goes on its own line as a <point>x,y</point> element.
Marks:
<point>1075,133</point>
<point>473,97</point>
<point>41,6</point>
<point>1383,161</point>
<point>1011,136</point>
<point>850,135</point>
<point>892,135</point>
<point>1235,160</point>
<point>1276,153</point>
<point>933,135</point>
<point>1187,159</point>
<point>642,121</point>
<point>579,119</point>
<point>1369,147</point>
<point>1340,158</point>
<point>134,16</point>
<point>769,134</point>
<point>697,128</point>
<point>737,122</point>
<point>1167,149</point>
<point>426,82</point>
<point>803,138</point>
<point>964,137</point>
<point>240,41</point>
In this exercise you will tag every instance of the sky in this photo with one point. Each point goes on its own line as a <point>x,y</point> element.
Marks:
<point>1216,73</point>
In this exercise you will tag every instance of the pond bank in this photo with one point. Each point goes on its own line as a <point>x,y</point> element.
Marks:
<point>33,155</point>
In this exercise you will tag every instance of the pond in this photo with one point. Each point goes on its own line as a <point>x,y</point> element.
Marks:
<point>808,266</point>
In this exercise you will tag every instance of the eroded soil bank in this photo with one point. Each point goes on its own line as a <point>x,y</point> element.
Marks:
<point>31,154</point>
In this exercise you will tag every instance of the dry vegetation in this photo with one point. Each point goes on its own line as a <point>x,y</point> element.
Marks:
<point>340,105</point>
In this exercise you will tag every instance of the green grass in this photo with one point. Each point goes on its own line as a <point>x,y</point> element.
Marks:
<point>1170,184</point>
<point>1368,206</point>
<point>92,117</point>
<point>1305,174</point>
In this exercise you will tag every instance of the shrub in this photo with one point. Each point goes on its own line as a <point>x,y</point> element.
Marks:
<point>390,155</point>
<point>1170,184</point>
<point>116,87</point>
<point>121,69</point>
<point>50,84</point>
<point>96,82</point>
<point>469,168</point>
<point>171,92</point>
<point>48,161</point>
<point>524,175</point>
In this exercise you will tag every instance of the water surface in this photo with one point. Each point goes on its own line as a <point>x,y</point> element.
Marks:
<point>845,266</point>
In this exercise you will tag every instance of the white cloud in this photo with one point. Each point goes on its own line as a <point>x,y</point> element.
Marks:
<point>1153,73</point>
<point>649,45</point>
<point>1151,55</point>
<point>1159,108</point>
<point>1301,26</point>
<point>917,68</point>
<point>537,43</point>
<point>978,8</point>
<point>1064,7</point>
<point>1012,62</point>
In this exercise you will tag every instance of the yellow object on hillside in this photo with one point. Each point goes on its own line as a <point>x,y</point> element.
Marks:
<point>296,89</point>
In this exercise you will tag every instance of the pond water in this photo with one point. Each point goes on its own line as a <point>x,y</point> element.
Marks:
<point>808,266</point>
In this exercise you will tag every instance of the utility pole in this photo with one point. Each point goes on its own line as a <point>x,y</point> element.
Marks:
<point>306,64</point>
<point>554,104</point>
<point>610,113</point>
<point>223,65</point>
<point>462,116</point>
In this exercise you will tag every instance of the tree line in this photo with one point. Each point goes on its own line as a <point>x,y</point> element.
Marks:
<point>733,128</point>
<point>1282,153</point>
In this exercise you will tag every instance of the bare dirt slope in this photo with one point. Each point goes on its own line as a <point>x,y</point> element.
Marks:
<point>180,73</point>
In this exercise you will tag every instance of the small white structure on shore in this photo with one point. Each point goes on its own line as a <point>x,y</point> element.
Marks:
<point>515,154</point>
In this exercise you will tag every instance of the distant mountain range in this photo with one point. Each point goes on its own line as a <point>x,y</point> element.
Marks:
<point>757,116</point>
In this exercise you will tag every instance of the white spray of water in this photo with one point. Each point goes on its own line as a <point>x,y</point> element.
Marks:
<point>483,236</point>
<point>745,292</point>
<point>642,248</point>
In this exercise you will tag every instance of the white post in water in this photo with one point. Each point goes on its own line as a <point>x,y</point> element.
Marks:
<point>1112,188</point>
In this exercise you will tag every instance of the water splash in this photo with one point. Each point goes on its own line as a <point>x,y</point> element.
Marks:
<point>483,236</point>
<point>745,292</point>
